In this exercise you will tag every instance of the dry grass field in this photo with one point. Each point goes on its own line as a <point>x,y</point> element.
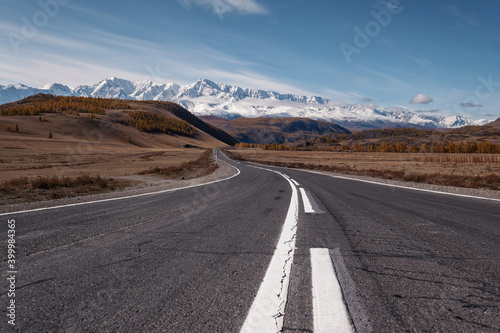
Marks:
<point>34,171</point>
<point>103,148</point>
<point>81,145</point>
<point>462,170</point>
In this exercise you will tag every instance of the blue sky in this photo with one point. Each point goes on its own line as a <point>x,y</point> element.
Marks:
<point>442,55</point>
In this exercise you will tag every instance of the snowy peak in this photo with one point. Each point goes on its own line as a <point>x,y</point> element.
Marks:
<point>109,88</point>
<point>460,121</point>
<point>206,97</point>
<point>201,88</point>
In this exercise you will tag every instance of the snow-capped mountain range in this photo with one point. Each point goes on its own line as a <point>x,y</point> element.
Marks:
<point>205,97</point>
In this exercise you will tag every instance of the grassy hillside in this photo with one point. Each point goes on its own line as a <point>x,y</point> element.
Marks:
<point>266,130</point>
<point>54,147</point>
<point>187,116</point>
<point>144,124</point>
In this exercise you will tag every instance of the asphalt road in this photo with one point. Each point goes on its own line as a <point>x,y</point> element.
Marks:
<point>194,260</point>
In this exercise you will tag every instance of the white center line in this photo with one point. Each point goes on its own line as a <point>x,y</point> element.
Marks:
<point>329,311</point>
<point>268,307</point>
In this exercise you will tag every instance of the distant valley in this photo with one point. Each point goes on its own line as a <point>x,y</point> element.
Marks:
<point>268,130</point>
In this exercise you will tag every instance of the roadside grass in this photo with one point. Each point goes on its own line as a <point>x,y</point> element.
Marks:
<point>489,181</point>
<point>202,166</point>
<point>27,189</point>
<point>32,188</point>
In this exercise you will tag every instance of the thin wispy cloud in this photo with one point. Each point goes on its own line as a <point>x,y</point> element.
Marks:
<point>470,105</point>
<point>81,72</point>
<point>222,7</point>
<point>421,61</point>
<point>249,79</point>
<point>340,96</point>
<point>469,18</point>
<point>393,80</point>
<point>271,45</point>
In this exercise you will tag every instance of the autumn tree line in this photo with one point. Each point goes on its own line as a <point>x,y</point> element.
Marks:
<point>154,123</point>
<point>469,147</point>
<point>43,103</point>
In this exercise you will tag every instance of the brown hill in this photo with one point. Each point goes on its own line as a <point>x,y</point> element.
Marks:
<point>265,130</point>
<point>77,119</point>
<point>45,136</point>
<point>495,123</point>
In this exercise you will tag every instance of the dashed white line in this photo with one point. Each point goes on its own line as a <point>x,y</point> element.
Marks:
<point>329,311</point>
<point>310,206</point>
<point>295,182</point>
<point>307,203</point>
<point>268,307</point>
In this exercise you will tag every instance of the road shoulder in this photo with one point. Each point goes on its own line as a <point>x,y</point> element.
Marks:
<point>147,184</point>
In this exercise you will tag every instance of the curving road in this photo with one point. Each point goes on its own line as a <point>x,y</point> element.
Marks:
<point>248,253</point>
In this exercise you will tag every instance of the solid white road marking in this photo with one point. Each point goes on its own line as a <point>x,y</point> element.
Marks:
<point>268,307</point>
<point>308,208</point>
<point>329,311</point>
<point>121,198</point>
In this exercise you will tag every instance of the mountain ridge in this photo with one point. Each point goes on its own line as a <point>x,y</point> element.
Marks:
<point>270,130</point>
<point>208,98</point>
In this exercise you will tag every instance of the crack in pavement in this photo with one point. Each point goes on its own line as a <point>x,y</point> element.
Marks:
<point>291,245</point>
<point>267,311</point>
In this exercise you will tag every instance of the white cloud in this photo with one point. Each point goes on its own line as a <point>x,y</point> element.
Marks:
<point>221,7</point>
<point>421,99</point>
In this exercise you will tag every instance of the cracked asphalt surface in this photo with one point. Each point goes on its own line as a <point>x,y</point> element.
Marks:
<point>192,260</point>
